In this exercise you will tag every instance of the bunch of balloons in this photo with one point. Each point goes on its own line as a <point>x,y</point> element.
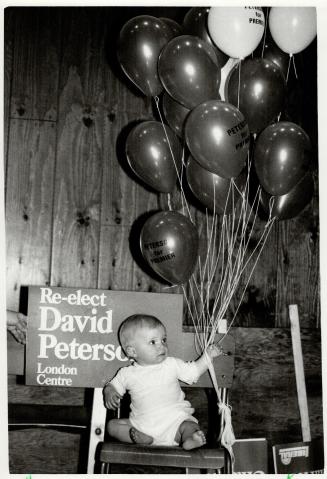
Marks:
<point>207,141</point>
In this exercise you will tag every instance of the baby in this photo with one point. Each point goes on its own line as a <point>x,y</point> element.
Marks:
<point>159,413</point>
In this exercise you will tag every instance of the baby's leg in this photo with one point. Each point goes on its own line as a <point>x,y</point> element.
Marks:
<point>190,436</point>
<point>122,430</point>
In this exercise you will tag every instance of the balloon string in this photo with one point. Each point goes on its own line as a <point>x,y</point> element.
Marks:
<point>264,35</point>
<point>239,85</point>
<point>169,202</point>
<point>294,67</point>
<point>288,67</point>
<point>156,98</point>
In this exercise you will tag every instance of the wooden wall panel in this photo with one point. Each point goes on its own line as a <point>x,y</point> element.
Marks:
<point>264,396</point>
<point>79,153</point>
<point>43,452</point>
<point>29,199</point>
<point>118,183</point>
<point>7,70</point>
<point>115,263</point>
<point>298,269</point>
<point>257,306</point>
<point>36,60</point>
<point>19,394</point>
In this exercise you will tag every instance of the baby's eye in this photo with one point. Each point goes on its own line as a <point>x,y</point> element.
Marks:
<point>152,341</point>
<point>164,340</point>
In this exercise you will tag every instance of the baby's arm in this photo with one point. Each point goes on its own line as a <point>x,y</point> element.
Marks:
<point>212,351</point>
<point>111,397</point>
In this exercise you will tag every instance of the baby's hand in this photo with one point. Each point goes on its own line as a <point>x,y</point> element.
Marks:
<point>214,351</point>
<point>111,397</point>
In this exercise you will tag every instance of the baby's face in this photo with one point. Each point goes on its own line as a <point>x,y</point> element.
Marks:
<point>150,345</point>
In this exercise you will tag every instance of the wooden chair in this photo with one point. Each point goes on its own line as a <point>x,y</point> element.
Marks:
<point>212,457</point>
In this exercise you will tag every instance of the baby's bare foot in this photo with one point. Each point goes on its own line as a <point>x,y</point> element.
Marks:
<point>139,437</point>
<point>197,439</point>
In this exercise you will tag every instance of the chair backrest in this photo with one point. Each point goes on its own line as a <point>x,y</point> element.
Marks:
<point>40,358</point>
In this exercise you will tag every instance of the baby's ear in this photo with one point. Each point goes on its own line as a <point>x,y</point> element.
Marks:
<point>130,352</point>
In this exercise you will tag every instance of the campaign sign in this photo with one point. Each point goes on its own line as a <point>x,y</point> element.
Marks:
<point>299,457</point>
<point>72,337</point>
<point>251,456</point>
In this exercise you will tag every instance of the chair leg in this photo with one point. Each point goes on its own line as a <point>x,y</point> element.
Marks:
<point>192,470</point>
<point>105,468</point>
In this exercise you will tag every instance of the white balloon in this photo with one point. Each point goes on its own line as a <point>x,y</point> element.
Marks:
<point>293,28</point>
<point>237,31</point>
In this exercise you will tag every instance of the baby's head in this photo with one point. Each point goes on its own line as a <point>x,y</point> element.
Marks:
<point>143,338</point>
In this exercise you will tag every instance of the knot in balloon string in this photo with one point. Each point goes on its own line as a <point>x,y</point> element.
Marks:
<point>227,436</point>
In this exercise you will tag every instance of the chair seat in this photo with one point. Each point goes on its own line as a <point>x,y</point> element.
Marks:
<point>202,458</point>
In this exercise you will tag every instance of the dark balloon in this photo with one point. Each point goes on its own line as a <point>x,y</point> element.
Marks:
<point>196,23</point>
<point>149,156</point>
<point>258,89</point>
<point>292,203</point>
<point>175,114</point>
<point>140,43</point>
<point>174,26</point>
<point>214,192</point>
<point>218,137</point>
<point>169,243</point>
<point>189,70</point>
<point>281,157</point>
<point>270,51</point>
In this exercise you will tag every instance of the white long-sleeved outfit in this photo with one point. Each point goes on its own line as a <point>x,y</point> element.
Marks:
<point>158,404</point>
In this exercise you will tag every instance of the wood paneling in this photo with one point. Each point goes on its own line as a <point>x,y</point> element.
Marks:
<point>8,60</point>
<point>74,211</point>
<point>43,452</point>
<point>29,199</point>
<point>80,152</point>
<point>116,263</point>
<point>36,60</point>
<point>264,397</point>
<point>298,268</point>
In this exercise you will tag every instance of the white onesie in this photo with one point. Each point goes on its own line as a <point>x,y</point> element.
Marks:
<point>158,404</point>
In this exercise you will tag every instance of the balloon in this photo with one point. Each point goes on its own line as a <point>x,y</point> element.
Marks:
<point>237,31</point>
<point>196,23</point>
<point>189,70</point>
<point>281,157</point>
<point>214,192</point>
<point>175,114</point>
<point>270,51</point>
<point>258,89</point>
<point>140,43</point>
<point>218,137</point>
<point>292,203</point>
<point>169,243</point>
<point>293,28</point>
<point>174,26</point>
<point>149,155</point>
